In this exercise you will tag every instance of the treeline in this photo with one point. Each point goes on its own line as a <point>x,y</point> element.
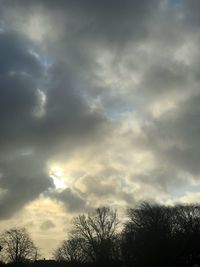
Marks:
<point>152,236</point>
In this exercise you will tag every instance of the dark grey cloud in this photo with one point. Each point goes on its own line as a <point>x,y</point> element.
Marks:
<point>190,9</point>
<point>66,111</point>
<point>16,55</point>
<point>176,136</point>
<point>28,140</point>
<point>162,79</point>
<point>73,200</point>
<point>100,186</point>
<point>20,75</point>
<point>23,179</point>
<point>105,186</point>
<point>46,225</point>
<point>113,20</point>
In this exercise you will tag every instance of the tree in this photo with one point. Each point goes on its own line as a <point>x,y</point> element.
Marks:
<point>72,250</point>
<point>99,231</point>
<point>187,232</point>
<point>92,239</point>
<point>157,235</point>
<point>18,246</point>
<point>147,236</point>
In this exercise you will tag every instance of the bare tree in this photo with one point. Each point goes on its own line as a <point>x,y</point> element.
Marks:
<point>72,250</point>
<point>93,238</point>
<point>98,230</point>
<point>18,246</point>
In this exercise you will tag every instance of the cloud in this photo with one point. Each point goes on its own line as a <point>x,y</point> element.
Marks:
<point>46,225</point>
<point>72,200</point>
<point>29,140</point>
<point>175,136</point>
<point>23,179</point>
<point>114,21</point>
<point>109,90</point>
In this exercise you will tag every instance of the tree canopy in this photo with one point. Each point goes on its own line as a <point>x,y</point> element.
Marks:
<point>17,245</point>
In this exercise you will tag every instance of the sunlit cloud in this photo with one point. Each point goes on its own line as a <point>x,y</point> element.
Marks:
<point>58,177</point>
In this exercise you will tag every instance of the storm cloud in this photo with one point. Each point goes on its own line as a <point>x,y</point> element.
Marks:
<point>40,112</point>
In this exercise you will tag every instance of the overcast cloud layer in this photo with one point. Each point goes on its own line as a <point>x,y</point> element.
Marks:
<point>99,104</point>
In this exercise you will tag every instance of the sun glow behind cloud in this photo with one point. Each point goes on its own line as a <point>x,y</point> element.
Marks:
<point>57,174</point>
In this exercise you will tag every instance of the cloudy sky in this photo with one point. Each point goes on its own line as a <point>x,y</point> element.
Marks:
<point>99,105</point>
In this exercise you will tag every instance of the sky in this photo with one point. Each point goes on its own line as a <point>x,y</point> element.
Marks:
<point>99,105</point>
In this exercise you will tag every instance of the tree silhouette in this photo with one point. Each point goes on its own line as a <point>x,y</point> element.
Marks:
<point>18,246</point>
<point>157,235</point>
<point>72,250</point>
<point>147,236</point>
<point>187,232</point>
<point>99,231</point>
<point>93,238</point>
